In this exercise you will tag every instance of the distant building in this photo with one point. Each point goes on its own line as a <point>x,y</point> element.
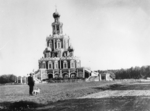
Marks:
<point>108,76</point>
<point>21,80</point>
<point>59,60</point>
<point>99,76</point>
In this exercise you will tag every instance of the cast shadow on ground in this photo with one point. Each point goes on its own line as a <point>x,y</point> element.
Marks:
<point>126,103</point>
<point>19,106</point>
<point>124,87</point>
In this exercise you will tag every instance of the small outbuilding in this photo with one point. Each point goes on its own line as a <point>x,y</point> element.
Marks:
<point>108,76</point>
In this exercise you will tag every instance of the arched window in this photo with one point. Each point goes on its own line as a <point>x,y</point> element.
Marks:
<point>47,54</point>
<point>72,64</point>
<point>44,65</point>
<point>59,54</point>
<point>50,65</point>
<point>58,44</point>
<point>78,63</point>
<point>53,29</point>
<point>50,44</point>
<point>40,64</point>
<point>58,27</point>
<point>56,64</point>
<point>65,65</point>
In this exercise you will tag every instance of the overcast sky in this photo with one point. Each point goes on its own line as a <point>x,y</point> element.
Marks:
<point>106,34</point>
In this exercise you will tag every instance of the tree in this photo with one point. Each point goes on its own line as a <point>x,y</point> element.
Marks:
<point>7,78</point>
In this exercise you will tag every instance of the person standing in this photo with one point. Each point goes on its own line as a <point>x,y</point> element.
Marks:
<point>31,84</point>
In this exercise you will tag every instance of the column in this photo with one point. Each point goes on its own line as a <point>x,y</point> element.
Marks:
<point>21,80</point>
<point>55,29</point>
<point>83,73</point>
<point>16,79</point>
<point>54,43</point>
<point>64,44</point>
<point>60,64</point>
<point>25,81</point>
<point>53,74</point>
<point>60,68</point>
<point>69,72</point>
<point>77,73</point>
<point>41,75</point>
<point>100,77</point>
<point>61,73</point>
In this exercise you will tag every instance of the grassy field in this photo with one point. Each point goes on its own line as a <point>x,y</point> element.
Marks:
<point>52,92</point>
<point>62,96</point>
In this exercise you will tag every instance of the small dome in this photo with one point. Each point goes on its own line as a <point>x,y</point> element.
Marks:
<point>70,49</point>
<point>48,49</point>
<point>56,15</point>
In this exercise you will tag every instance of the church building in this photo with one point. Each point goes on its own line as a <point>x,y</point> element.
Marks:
<point>59,60</point>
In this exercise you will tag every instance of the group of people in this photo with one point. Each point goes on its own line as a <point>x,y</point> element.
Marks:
<point>31,84</point>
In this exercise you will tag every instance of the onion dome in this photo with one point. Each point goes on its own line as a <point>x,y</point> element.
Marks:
<point>56,14</point>
<point>48,49</point>
<point>70,49</point>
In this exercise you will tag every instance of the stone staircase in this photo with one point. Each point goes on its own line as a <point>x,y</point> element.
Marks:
<point>92,78</point>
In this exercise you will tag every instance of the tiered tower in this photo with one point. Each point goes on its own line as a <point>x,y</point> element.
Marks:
<point>59,59</point>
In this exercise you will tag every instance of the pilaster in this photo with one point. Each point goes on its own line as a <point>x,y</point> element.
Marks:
<point>61,73</point>
<point>60,64</point>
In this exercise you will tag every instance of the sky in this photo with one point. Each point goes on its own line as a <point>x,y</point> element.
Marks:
<point>105,34</point>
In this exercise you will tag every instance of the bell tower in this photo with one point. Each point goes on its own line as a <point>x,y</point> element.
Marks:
<point>56,25</point>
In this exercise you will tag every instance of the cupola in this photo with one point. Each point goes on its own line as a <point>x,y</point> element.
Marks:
<point>56,25</point>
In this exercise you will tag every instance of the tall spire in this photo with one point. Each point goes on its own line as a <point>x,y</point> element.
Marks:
<point>55,8</point>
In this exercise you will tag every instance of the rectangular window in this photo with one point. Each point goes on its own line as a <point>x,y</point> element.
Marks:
<point>59,45</point>
<point>72,65</point>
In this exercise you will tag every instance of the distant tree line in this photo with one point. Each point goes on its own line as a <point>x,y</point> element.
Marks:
<point>10,78</point>
<point>132,73</point>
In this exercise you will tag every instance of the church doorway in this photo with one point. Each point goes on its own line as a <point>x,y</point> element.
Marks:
<point>87,74</point>
<point>50,76</point>
<point>103,77</point>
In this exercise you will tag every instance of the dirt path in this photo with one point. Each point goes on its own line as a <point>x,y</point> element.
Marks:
<point>116,93</point>
<point>115,97</point>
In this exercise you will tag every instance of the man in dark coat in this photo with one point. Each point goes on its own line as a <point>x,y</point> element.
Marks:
<point>31,84</point>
